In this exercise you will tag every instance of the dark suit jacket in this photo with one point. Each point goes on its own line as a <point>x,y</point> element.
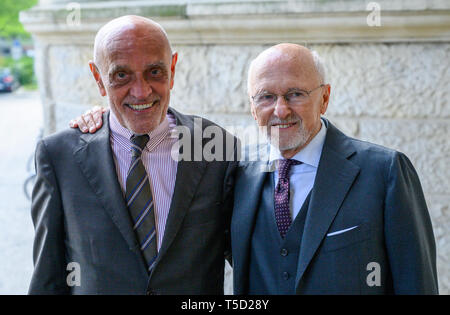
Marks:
<point>358,184</point>
<point>80,216</point>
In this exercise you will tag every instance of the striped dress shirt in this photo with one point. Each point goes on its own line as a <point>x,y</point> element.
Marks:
<point>158,162</point>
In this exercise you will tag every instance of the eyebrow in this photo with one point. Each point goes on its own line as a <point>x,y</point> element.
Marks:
<point>117,68</point>
<point>296,89</point>
<point>264,91</point>
<point>158,64</point>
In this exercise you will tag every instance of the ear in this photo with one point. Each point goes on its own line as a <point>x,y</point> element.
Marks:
<point>172,68</point>
<point>325,99</point>
<point>97,77</point>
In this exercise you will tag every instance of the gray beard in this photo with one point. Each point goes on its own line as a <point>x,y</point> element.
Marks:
<point>296,141</point>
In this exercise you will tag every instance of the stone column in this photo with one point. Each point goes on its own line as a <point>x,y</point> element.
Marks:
<point>387,64</point>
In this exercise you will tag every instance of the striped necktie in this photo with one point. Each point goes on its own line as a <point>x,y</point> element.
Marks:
<point>140,202</point>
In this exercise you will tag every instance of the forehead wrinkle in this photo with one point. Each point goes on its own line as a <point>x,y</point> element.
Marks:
<point>297,76</point>
<point>128,46</point>
<point>135,29</point>
<point>290,56</point>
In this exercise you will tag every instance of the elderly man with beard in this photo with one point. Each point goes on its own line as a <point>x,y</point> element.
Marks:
<point>320,212</point>
<point>335,215</point>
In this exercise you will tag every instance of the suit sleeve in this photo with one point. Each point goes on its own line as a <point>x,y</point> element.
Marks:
<point>49,276</point>
<point>408,231</point>
<point>228,194</point>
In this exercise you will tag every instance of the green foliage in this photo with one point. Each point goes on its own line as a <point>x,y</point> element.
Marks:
<point>23,69</point>
<point>9,17</point>
<point>6,62</point>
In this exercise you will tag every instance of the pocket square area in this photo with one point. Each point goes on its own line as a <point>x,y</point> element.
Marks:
<point>342,231</point>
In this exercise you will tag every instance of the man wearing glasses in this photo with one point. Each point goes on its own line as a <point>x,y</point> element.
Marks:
<point>320,212</point>
<point>333,215</point>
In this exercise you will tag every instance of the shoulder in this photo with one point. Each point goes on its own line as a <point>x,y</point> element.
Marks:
<point>63,137</point>
<point>194,122</point>
<point>389,163</point>
<point>204,136</point>
<point>362,149</point>
<point>365,154</point>
<point>373,150</point>
<point>55,151</point>
<point>61,141</point>
<point>186,119</point>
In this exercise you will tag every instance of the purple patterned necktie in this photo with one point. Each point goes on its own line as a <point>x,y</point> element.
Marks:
<point>281,196</point>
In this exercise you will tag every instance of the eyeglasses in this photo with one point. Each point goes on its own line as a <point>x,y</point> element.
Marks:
<point>293,97</point>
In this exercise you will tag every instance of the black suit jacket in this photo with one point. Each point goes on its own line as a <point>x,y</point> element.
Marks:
<point>80,216</point>
<point>367,214</point>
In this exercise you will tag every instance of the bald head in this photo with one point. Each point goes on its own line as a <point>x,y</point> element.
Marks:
<point>135,68</point>
<point>288,95</point>
<point>309,61</point>
<point>130,28</point>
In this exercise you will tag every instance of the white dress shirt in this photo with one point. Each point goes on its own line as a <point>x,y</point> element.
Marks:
<point>302,177</point>
<point>158,162</point>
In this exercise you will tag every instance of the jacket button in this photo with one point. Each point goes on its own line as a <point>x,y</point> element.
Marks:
<point>284,252</point>
<point>285,275</point>
<point>150,292</point>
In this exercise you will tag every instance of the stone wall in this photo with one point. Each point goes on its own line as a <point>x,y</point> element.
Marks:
<point>389,84</point>
<point>396,95</point>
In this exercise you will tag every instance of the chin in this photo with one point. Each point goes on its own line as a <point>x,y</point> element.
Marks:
<point>293,143</point>
<point>137,130</point>
<point>289,146</point>
<point>143,127</point>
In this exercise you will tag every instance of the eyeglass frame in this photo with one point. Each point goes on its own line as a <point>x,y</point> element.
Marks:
<point>284,95</point>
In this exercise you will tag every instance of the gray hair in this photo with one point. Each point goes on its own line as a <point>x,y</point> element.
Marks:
<point>320,67</point>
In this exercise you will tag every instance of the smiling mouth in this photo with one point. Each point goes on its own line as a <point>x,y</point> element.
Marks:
<point>140,107</point>
<point>284,126</point>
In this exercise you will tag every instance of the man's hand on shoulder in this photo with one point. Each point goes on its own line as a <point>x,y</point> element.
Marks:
<point>91,121</point>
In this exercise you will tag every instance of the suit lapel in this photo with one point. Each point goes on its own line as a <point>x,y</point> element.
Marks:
<point>189,174</point>
<point>335,175</point>
<point>247,193</point>
<point>94,155</point>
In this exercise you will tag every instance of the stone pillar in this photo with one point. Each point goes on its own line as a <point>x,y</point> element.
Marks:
<point>387,64</point>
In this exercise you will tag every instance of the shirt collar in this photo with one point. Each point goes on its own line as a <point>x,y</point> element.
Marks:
<point>120,132</point>
<point>310,154</point>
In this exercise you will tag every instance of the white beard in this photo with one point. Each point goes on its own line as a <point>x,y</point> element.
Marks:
<point>298,140</point>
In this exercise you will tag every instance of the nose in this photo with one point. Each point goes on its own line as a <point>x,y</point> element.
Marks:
<point>141,89</point>
<point>282,109</point>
